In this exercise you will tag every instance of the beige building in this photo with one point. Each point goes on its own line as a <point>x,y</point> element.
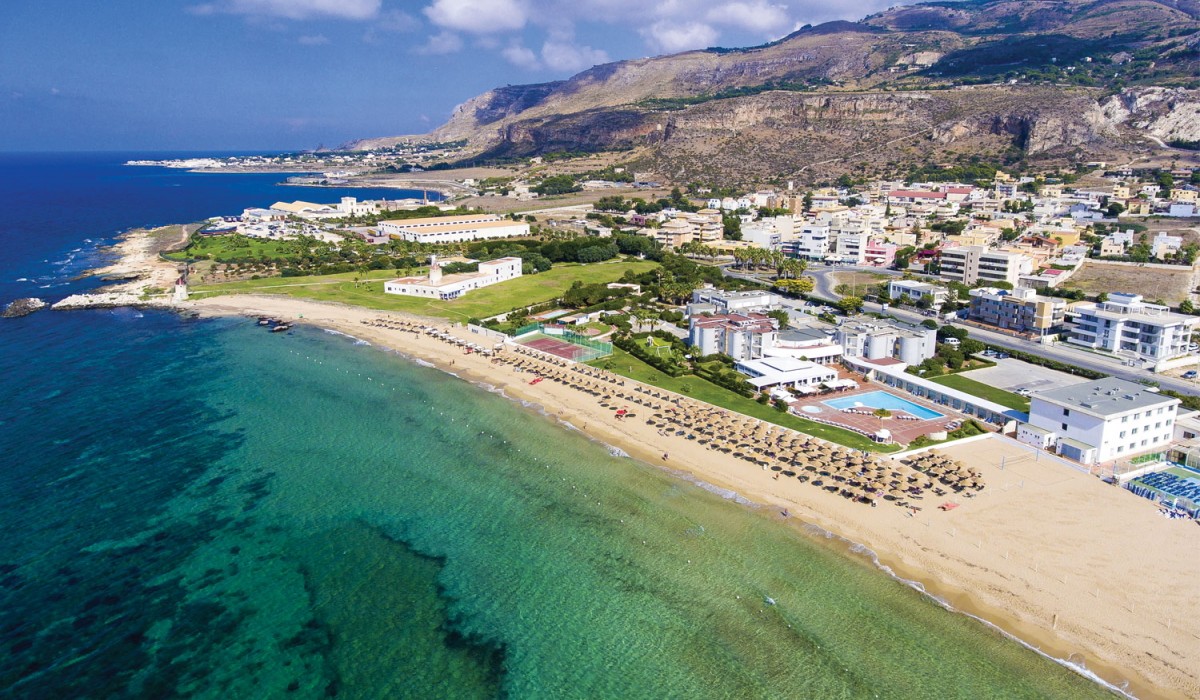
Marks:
<point>976,264</point>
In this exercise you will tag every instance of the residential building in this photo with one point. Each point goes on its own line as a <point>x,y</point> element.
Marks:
<point>741,336</point>
<point>1124,324</point>
<point>812,243</point>
<point>445,287</point>
<point>1020,309</point>
<point>913,292</point>
<point>1101,420</point>
<point>734,302</point>
<point>454,229</point>
<point>976,264</point>
<point>873,338</point>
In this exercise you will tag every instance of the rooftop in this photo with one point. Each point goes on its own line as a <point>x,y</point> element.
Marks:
<point>1105,397</point>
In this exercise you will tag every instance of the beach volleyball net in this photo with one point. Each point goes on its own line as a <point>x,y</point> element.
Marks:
<point>562,341</point>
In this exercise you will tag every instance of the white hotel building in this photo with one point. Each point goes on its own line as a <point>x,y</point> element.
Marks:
<point>1126,325</point>
<point>446,287</point>
<point>454,229</point>
<point>1100,421</point>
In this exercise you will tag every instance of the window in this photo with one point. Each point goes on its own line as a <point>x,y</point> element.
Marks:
<point>1122,434</point>
<point>1134,431</point>
<point>1066,411</point>
<point>1137,415</point>
<point>1064,426</point>
<point>1188,436</point>
<point>1124,419</point>
<point>1143,443</point>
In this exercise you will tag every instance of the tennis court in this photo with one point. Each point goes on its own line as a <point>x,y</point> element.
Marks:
<point>554,346</point>
<point>563,342</point>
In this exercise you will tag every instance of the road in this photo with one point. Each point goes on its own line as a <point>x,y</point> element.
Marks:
<point>824,284</point>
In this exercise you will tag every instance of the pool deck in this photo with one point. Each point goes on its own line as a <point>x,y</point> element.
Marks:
<point>904,427</point>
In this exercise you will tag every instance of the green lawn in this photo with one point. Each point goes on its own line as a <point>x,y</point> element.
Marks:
<point>627,365</point>
<point>231,247</point>
<point>983,391</point>
<point>481,303</point>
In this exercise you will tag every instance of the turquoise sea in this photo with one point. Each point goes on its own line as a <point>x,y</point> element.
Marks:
<point>203,509</point>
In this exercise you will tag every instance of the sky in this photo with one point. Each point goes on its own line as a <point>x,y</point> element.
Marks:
<point>297,74</point>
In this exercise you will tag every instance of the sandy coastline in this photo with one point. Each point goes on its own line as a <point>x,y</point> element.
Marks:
<point>1080,570</point>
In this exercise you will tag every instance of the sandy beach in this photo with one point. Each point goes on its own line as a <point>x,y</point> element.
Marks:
<point>1081,570</point>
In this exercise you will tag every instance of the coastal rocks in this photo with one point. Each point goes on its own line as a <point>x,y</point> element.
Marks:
<point>22,307</point>
<point>105,300</point>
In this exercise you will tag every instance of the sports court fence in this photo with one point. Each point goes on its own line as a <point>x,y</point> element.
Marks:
<point>592,349</point>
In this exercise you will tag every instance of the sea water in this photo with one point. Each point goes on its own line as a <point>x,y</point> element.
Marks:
<point>202,508</point>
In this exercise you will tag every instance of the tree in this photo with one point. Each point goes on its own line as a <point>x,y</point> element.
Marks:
<point>803,285</point>
<point>780,316</point>
<point>1115,209</point>
<point>732,227</point>
<point>850,305</point>
<point>808,201</point>
<point>1186,307</point>
<point>930,324</point>
<point>970,346</point>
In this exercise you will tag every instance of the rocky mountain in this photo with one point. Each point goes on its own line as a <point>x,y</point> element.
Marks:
<point>995,78</point>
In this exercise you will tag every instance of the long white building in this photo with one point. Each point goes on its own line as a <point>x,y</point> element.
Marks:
<point>446,287</point>
<point>454,229</point>
<point>1124,324</point>
<point>1100,421</point>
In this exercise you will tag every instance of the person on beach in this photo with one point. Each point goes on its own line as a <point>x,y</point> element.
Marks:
<point>664,456</point>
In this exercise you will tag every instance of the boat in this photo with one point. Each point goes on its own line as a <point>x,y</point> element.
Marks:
<point>281,328</point>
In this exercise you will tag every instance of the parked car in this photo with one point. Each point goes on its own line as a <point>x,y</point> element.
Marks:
<point>1023,392</point>
<point>1190,374</point>
<point>951,341</point>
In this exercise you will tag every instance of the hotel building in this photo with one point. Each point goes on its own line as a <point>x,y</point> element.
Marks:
<point>1100,421</point>
<point>1126,325</point>
<point>453,229</point>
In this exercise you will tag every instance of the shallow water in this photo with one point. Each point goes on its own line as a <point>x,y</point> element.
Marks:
<point>203,508</point>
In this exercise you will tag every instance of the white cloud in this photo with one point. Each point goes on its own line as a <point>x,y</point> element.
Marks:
<point>292,9</point>
<point>521,56</point>
<point>670,36</point>
<point>478,16</point>
<point>440,44</point>
<point>313,40</point>
<point>569,56</point>
<point>756,16</point>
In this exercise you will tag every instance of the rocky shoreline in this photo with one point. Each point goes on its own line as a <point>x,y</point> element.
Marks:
<point>22,307</point>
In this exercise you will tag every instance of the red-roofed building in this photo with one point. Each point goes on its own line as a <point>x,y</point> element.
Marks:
<point>916,196</point>
<point>741,336</point>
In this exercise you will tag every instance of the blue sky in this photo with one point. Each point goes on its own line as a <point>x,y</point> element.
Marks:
<point>291,74</point>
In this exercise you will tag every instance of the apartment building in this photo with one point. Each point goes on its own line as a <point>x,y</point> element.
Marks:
<point>1124,324</point>
<point>1020,309</point>
<point>912,292</point>
<point>974,264</point>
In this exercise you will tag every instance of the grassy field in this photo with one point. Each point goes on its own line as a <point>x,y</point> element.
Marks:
<point>627,365</point>
<point>481,303</point>
<point>983,391</point>
<point>1169,284</point>
<point>227,248</point>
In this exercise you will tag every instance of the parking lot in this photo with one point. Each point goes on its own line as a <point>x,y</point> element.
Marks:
<point>1013,375</point>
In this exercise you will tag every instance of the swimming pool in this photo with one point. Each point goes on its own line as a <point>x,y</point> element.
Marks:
<point>882,399</point>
